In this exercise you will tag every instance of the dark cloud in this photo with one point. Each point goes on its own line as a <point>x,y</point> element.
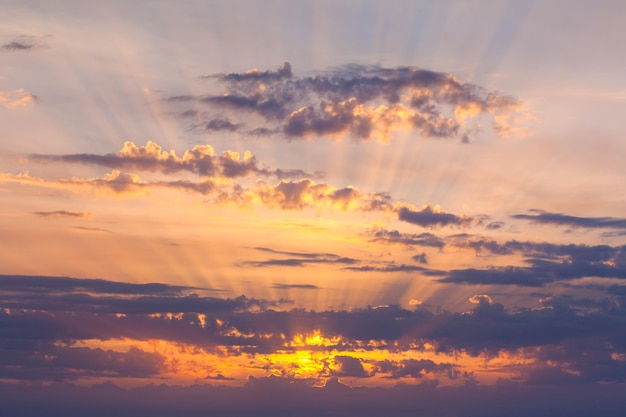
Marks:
<point>408,239</point>
<point>546,263</point>
<point>349,366</point>
<point>300,262</point>
<point>573,221</point>
<point>540,273</point>
<point>295,287</point>
<point>100,296</point>
<point>494,225</point>
<point>260,76</point>
<point>308,255</point>
<point>415,368</point>
<point>391,267</point>
<point>26,43</point>
<point>364,102</point>
<point>421,258</point>
<point>299,259</point>
<point>279,397</point>
<point>428,217</point>
<point>581,341</point>
<point>60,363</point>
<point>222,125</point>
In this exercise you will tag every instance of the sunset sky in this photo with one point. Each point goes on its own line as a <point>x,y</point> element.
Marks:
<point>403,208</point>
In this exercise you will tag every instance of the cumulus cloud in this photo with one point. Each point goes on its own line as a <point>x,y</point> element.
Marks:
<point>364,102</point>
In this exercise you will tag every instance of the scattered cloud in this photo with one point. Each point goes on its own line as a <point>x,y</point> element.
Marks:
<point>363,102</point>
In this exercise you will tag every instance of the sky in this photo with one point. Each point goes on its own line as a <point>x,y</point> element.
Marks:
<point>330,208</point>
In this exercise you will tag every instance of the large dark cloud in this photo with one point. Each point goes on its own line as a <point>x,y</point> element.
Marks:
<point>573,344</point>
<point>361,101</point>
<point>57,308</point>
<point>575,350</point>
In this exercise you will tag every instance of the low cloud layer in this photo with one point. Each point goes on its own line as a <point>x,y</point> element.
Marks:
<point>53,329</point>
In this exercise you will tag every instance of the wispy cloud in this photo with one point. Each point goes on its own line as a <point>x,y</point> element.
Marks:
<point>26,43</point>
<point>299,259</point>
<point>559,219</point>
<point>64,213</point>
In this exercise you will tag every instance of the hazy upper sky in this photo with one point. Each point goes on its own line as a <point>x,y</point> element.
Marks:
<point>398,208</point>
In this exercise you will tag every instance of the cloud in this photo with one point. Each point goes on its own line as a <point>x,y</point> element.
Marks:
<point>299,262</point>
<point>408,239</point>
<point>47,322</point>
<point>100,296</point>
<point>391,267</point>
<point>255,75</point>
<point>363,102</point>
<point>16,99</point>
<point>559,219</point>
<point>201,160</point>
<point>429,217</point>
<point>421,258</point>
<point>216,125</point>
<point>415,368</point>
<point>63,363</point>
<point>25,43</point>
<point>348,366</point>
<point>540,272</point>
<point>64,213</point>
<point>295,287</point>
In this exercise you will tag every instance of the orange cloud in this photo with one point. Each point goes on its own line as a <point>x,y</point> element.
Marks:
<point>16,99</point>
